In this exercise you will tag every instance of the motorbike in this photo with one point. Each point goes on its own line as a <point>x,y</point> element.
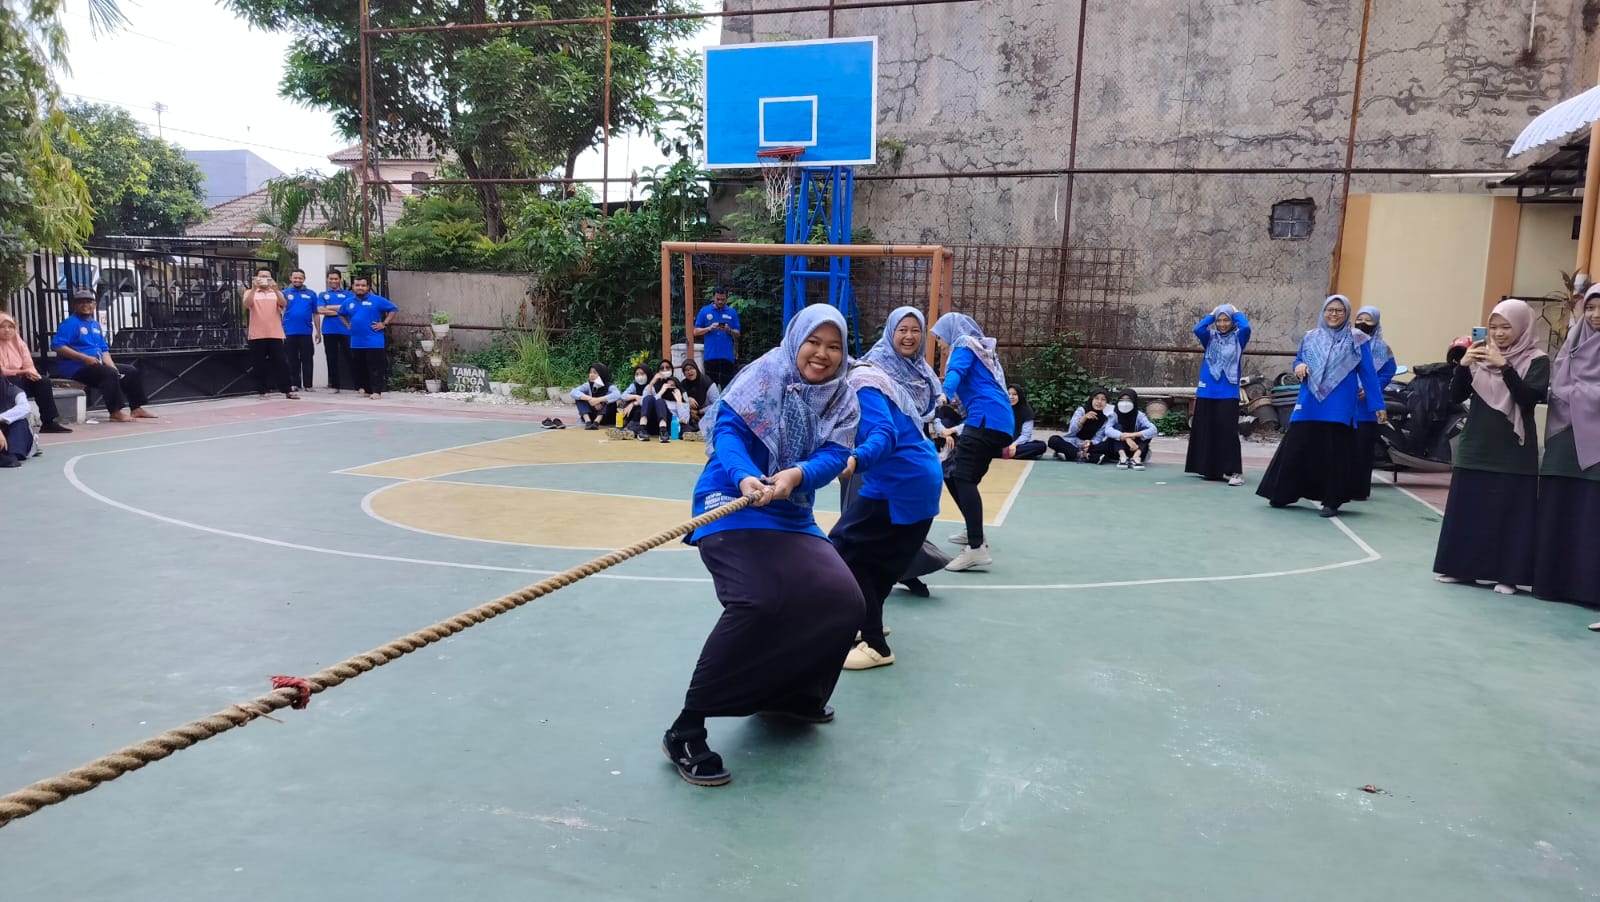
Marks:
<point>1423,423</point>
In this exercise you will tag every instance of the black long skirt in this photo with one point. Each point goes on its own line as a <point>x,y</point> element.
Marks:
<point>1315,460</point>
<point>1366,456</point>
<point>930,559</point>
<point>1214,439</point>
<point>1566,567</point>
<point>1489,528</point>
<point>790,611</point>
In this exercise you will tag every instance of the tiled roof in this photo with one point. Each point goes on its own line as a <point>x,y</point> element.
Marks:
<point>417,150</point>
<point>237,218</point>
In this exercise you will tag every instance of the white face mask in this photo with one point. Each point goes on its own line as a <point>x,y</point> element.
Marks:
<point>1125,406</point>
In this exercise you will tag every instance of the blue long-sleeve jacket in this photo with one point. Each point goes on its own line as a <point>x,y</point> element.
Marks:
<point>1343,402</point>
<point>1385,376</point>
<point>1142,428</point>
<point>612,395</point>
<point>897,462</point>
<point>1209,386</point>
<point>738,454</point>
<point>986,402</point>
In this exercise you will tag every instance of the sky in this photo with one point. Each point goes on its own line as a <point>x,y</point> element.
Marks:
<point>218,81</point>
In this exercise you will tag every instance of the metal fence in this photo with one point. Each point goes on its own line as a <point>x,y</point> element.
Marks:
<point>148,300</point>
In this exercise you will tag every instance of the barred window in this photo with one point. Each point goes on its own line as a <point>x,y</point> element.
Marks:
<point>1293,219</point>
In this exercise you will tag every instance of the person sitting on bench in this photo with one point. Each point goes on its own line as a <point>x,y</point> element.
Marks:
<point>83,356</point>
<point>17,368</point>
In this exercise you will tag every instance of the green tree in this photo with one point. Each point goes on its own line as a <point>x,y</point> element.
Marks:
<point>517,103</point>
<point>138,184</point>
<point>310,203</point>
<point>43,202</point>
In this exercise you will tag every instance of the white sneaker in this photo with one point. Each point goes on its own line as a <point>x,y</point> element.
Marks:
<point>1236,479</point>
<point>959,538</point>
<point>1138,465</point>
<point>1122,465</point>
<point>1504,589</point>
<point>971,559</point>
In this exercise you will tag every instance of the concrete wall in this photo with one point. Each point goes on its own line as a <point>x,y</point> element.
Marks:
<point>1259,84</point>
<point>1545,249</point>
<point>479,304</point>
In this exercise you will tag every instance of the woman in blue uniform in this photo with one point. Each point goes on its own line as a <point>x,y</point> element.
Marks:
<point>1214,429</point>
<point>973,374</point>
<point>882,529</point>
<point>1316,458</point>
<point>790,606</point>
<point>1370,321</point>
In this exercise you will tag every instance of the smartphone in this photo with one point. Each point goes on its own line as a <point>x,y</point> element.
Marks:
<point>1479,333</point>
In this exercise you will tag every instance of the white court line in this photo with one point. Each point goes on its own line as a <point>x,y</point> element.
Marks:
<point>1413,496</point>
<point>70,472</point>
<point>1016,492</point>
<point>349,471</point>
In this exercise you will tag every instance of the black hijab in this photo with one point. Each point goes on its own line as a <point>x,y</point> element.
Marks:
<point>1021,412</point>
<point>697,387</point>
<point>1089,428</point>
<point>1127,422</point>
<point>604,372</point>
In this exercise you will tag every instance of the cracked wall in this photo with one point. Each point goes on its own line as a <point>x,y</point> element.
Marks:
<point>1239,84</point>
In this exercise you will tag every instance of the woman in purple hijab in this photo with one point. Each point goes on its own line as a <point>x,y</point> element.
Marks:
<point>1569,477</point>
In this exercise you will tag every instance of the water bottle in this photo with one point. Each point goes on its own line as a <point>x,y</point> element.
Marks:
<point>620,419</point>
<point>674,432</point>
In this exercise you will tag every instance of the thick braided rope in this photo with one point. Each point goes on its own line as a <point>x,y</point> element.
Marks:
<point>79,780</point>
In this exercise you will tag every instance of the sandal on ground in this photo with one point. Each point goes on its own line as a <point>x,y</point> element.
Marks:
<point>865,657</point>
<point>1449,580</point>
<point>824,715</point>
<point>1505,589</point>
<point>292,396</point>
<point>546,422</point>
<point>1595,627</point>
<point>702,769</point>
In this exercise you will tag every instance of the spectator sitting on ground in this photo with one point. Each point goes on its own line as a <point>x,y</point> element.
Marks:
<point>696,392</point>
<point>16,435</point>
<point>83,356</point>
<point>17,368</point>
<point>631,401</point>
<point>596,398</point>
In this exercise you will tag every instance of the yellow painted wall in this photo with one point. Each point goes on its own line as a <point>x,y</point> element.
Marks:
<point>1424,264</point>
<point>1545,248</point>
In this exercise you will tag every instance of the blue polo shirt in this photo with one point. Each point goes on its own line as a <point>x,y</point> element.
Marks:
<point>333,325</point>
<point>363,312</point>
<point>300,312</point>
<point>81,335</point>
<point>718,344</point>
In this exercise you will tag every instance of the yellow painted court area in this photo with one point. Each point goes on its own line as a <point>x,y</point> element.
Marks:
<point>425,499</point>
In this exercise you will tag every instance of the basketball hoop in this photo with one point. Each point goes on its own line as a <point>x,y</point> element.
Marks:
<point>777,170</point>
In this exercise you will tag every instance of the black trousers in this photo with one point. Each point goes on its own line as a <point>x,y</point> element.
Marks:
<point>298,351</point>
<point>119,386</point>
<point>266,362</point>
<point>720,371</point>
<point>878,552</point>
<point>1127,453</point>
<point>371,369</point>
<point>42,393</point>
<point>605,413</point>
<point>976,448</point>
<point>341,372</point>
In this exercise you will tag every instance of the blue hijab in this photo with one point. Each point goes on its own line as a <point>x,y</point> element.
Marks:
<point>907,381</point>
<point>1223,351</point>
<point>1380,348</point>
<point>1332,354</point>
<point>789,415</point>
<point>959,330</point>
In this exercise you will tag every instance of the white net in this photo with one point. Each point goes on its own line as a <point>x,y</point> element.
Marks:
<point>778,170</point>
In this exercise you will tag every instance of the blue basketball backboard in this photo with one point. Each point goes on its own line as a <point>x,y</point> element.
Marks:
<point>821,96</point>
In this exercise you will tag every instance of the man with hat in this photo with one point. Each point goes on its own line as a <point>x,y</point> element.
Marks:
<point>83,356</point>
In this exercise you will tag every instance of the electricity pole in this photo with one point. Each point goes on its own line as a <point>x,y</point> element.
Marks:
<point>160,108</point>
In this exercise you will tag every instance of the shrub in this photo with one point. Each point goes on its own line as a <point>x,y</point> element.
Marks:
<point>1057,383</point>
<point>1173,422</point>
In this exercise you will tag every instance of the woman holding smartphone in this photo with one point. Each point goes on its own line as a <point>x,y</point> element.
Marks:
<point>265,305</point>
<point>1490,519</point>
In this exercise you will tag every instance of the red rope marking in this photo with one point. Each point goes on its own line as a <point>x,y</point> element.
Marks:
<point>290,682</point>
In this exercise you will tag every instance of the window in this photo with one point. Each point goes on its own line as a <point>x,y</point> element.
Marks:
<point>1293,219</point>
<point>420,177</point>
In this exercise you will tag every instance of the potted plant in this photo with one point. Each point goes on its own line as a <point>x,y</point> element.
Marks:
<point>427,344</point>
<point>441,323</point>
<point>433,385</point>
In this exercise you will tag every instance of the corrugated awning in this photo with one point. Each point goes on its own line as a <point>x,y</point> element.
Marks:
<point>1559,121</point>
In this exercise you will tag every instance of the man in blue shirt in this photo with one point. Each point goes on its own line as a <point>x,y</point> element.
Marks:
<point>302,328</point>
<point>83,356</point>
<point>367,315</point>
<point>335,334</point>
<point>718,325</point>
